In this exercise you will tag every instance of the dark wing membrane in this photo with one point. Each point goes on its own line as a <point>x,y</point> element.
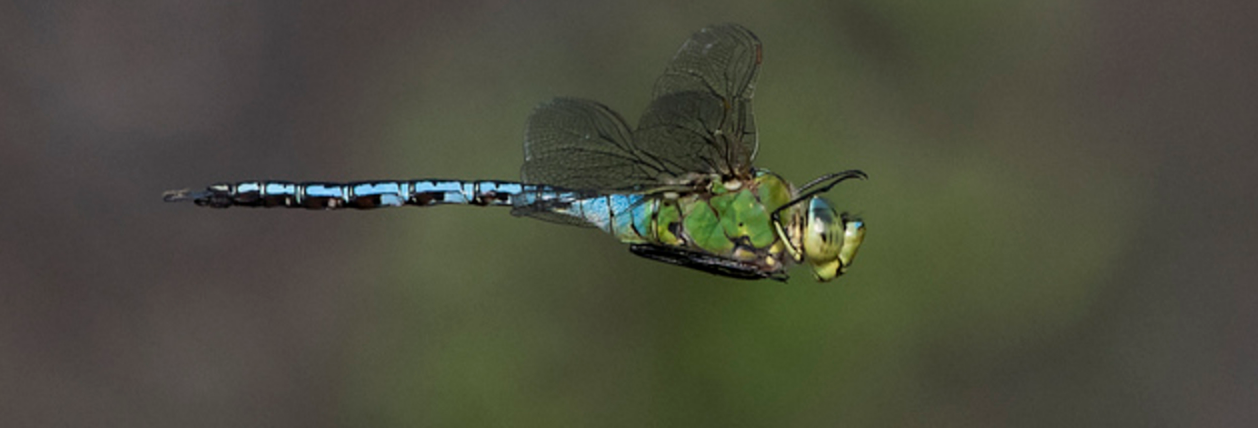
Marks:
<point>583,145</point>
<point>700,118</point>
<point>687,132</point>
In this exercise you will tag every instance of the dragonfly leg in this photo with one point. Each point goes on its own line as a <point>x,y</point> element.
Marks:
<point>705,262</point>
<point>842,175</point>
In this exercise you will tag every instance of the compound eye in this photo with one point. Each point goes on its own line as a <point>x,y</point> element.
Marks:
<point>823,233</point>
<point>823,239</point>
<point>830,239</point>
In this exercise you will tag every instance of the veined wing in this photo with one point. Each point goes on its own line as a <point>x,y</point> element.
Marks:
<point>700,122</point>
<point>585,149</point>
<point>700,119</point>
<point>583,145</point>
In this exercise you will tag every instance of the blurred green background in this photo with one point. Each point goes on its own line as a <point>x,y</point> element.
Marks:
<point>1060,218</point>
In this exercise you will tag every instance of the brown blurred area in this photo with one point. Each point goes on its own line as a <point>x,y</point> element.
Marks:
<point>1061,213</point>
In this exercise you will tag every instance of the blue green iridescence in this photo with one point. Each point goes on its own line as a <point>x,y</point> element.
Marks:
<point>727,222</point>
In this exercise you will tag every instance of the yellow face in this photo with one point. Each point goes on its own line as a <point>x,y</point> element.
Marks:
<point>830,239</point>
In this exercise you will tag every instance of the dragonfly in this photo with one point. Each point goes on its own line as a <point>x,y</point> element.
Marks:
<point>679,189</point>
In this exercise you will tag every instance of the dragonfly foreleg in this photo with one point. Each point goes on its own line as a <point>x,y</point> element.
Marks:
<point>705,262</point>
<point>807,189</point>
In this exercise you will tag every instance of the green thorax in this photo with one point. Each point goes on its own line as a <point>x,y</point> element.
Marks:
<point>731,218</point>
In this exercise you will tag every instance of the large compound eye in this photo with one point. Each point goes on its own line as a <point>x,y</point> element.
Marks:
<point>823,239</point>
<point>830,239</point>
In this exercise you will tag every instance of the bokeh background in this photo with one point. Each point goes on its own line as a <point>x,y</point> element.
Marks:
<point>1061,212</point>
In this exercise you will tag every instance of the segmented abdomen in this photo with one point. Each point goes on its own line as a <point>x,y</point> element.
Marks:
<point>360,195</point>
<point>628,216</point>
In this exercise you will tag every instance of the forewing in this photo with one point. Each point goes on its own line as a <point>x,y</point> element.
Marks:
<point>700,118</point>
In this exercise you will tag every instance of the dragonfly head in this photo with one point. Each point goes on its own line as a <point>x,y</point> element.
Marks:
<point>830,239</point>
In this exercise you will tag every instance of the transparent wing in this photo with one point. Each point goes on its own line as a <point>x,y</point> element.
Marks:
<point>699,121</point>
<point>553,217</point>
<point>549,209</point>
<point>581,144</point>
<point>700,118</point>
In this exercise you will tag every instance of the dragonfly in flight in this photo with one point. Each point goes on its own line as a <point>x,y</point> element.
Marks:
<point>680,188</point>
